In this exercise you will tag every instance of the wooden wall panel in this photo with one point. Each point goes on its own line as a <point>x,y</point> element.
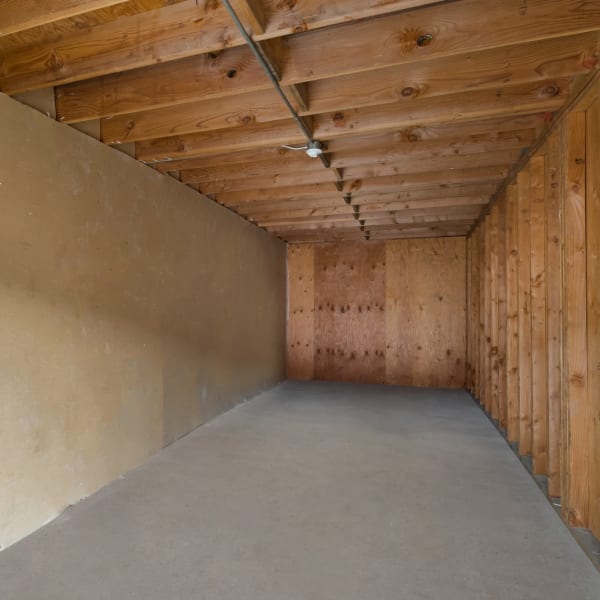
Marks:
<point>350,312</point>
<point>501,353</point>
<point>576,408</point>
<point>475,320</point>
<point>593,303</point>
<point>426,312</point>
<point>469,378</point>
<point>539,365</point>
<point>512,314</point>
<point>524,262</point>
<point>553,308</point>
<point>552,318</point>
<point>384,312</point>
<point>483,286</point>
<point>301,317</point>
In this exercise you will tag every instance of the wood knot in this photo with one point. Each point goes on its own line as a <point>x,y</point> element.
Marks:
<point>551,91</point>
<point>339,120</point>
<point>55,62</point>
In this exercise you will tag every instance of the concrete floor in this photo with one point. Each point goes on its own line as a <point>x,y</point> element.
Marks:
<point>315,491</point>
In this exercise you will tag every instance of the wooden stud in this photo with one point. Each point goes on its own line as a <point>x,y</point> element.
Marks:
<point>525,409</point>
<point>512,314</point>
<point>553,307</point>
<point>493,372</point>
<point>539,366</point>
<point>576,414</point>
<point>593,303</point>
<point>501,353</point>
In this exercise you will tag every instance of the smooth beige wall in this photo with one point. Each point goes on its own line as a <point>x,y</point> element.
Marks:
<point>131,310</point>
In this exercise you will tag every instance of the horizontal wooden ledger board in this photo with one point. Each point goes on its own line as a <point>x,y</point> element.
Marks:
<point>378,312</point>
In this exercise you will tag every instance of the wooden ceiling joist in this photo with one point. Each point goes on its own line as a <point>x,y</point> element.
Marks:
<point>19,15</point>
<point>200,78</point>
<point>423,107</point>
<point>185,29</point>
<point>264,106</point>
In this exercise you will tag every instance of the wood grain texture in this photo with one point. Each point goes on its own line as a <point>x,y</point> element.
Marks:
<point>385,312</point>
<point>484,249</point>
<point>554,289</point>
<point>593,302</point>
<point>476,307</point>
<point>456,29</point>
<point>426,312</point>
<point>576,495</point>
<point>494,326</point>
<point>301,313</point>
<point>469,354</point>
<point>539,361</point>
<point>525,408</point>
<point>512,313</point>
<point>18,15</point>
<point>350,312</point>
<point>501,353</point>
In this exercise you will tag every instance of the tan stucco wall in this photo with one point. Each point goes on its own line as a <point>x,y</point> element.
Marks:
<point>131,311</point>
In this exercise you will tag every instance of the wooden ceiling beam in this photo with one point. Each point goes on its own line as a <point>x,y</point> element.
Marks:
<point>252,14</point>
<point>365,186</point>
<point>306,15</point>
<point>399,161</point>
<point>470,205</point>
<point>524,63</point>
<point>206,76</point>
<point>186,29</point>
<point>413,140</point>
<point>20,15</point>
<point>434,32</point>
<point>442,164</point>
<point>423,223</point>
<point>195,79</point>
<point>334,198</point>
<point>432,150</point>
<point>324,238</point>
<point>393,218</point>
<point>140,40</point>
<point>267,135</point>
<point>212,185</point>
<point>341,229</point>
<point>454,109</point>
<point>407,217</point>
<point>264,106</point>
<point>283,179</point>
<point>371,206</point>
<point>302,166</point>
<point>242,157</point>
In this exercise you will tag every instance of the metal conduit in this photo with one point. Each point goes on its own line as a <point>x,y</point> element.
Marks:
<point>273,78</point>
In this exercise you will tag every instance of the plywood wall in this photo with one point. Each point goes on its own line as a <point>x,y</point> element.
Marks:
<point>131,311</point>
<point>378,312</point>
<point>546,323</point>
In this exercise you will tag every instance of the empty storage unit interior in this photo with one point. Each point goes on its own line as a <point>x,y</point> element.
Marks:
<point>200,199</point>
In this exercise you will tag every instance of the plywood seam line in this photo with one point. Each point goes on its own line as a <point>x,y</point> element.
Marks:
<point>274,79</point>
<point>537,145</point>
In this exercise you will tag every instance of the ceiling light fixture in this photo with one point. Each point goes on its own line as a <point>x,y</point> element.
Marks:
<point>314,148</point>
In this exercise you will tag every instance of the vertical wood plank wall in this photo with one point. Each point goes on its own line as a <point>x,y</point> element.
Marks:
<point>533,329</point>
<point>378,312</point>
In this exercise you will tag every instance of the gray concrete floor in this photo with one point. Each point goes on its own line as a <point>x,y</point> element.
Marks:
<point>315,491</point>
